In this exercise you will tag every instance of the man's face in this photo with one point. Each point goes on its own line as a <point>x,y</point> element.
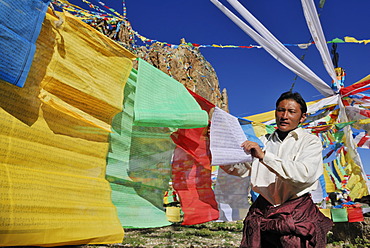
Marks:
<point>288,115</point>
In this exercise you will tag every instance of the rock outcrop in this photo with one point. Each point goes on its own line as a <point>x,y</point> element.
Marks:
<point>184,63</point>
<point>351,232</point>
<point>187,65</point>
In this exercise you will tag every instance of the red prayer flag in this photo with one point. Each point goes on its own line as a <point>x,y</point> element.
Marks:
<point>204,103</point>
<point>191,171</point>
<point>355,215</point>
<point>191,176</point>
<point>194,141</point>
<point>354,88</point>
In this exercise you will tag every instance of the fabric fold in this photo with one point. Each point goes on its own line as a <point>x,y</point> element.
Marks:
<point>232,196</point>
<point>313,23</point>
<point>95,86</point>
<point>138,166</point>
<point>161,101</point>
<point>20,25</point>
<point>192,176</point>
<point>59,105</point>
<point>273,46</point>
<point>191,171</point>
<point>55,134</point>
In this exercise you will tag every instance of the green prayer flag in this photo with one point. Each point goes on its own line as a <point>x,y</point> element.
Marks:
<point>343,124</point>
<point>322,3</point>
<point>336,40</point>
<point>161,101</point>
<point>338,136</point>
<point>339,214</point>
<point>138,167</point>
<point>270,128</point>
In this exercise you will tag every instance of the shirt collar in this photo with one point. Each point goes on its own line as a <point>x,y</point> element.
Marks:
<point>296,133</point>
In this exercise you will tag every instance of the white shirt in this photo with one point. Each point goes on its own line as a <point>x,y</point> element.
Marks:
<point>290,167</point>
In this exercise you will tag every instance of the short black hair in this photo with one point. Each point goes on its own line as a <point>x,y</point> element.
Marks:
<point>294,96</point>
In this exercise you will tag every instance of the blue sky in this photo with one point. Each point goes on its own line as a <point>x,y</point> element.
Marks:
<point>252,77</point>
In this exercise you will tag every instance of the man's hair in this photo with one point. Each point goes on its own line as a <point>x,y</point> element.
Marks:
<point>294,96</point>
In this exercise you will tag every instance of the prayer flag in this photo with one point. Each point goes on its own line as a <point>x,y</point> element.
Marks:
<point>138,167</point>
<point>55,141</point>
<point>161,101</point>
<point>355,215</point>
<point>339,214</point>
<point>20,25</point>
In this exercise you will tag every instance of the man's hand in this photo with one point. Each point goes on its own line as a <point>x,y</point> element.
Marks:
<point>253,148</point>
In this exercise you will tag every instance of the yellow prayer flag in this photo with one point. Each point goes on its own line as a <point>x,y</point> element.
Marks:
<point>270,115</point>
<point>259,129</point>
<point>354,40</point>
<point>364,79</point>
<point>326,212</point>
<point>54,134</point>
<point>85,69</point>
<point>329,185</point>
<point>364,121</point>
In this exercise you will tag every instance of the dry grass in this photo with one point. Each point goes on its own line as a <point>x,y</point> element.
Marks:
<point>211,234</point>
<point>206,235</point>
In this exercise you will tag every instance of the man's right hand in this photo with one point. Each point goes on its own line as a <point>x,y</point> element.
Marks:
<point>253,148</point>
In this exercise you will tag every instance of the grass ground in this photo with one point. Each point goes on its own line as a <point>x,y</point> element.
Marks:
<point>206,235</point>
<point>210,234</point>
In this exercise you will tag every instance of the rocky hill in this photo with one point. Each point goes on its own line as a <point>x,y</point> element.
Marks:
<point>185,63</point>
<point>188,66</point>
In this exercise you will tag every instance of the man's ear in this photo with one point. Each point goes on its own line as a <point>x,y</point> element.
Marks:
<point>303,118</point>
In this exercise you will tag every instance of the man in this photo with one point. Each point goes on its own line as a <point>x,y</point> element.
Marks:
<point>283,173</point>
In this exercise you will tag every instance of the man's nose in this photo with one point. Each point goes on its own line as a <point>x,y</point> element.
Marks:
<point>285,114</point>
